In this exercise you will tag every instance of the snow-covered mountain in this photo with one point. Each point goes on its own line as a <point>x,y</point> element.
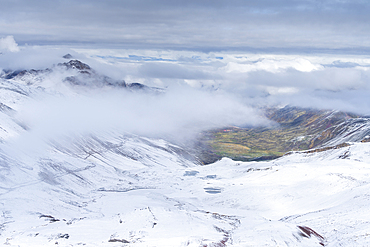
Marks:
<point>114,188</point>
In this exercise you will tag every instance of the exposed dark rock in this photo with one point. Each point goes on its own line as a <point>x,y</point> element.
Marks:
<point>67,56</point>
<point>308,232</point>
<point>345,155</point>
<point>137,86</point>
<point>75,64</point>
<point>49,217</point>
<point>113,240</point>
<point>66,235</point>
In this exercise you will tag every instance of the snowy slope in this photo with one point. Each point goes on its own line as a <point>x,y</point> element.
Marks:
<point>113,188</point>
<point>147,193</point>
<point>352,130</point>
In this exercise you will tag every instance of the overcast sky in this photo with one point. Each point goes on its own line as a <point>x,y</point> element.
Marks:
<point>203,25</point>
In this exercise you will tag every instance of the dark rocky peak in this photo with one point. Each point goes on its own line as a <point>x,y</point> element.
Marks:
<point>87,76</point>
<point>137,86</point>
<point>76,64</point>
<point>68,56</point>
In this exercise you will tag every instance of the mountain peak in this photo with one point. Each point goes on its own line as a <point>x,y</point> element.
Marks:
<point>68,56</point>
<point>76,64</point>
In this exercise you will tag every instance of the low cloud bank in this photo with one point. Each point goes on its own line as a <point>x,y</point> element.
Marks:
<point>179,114</point>
<point>318,81</point>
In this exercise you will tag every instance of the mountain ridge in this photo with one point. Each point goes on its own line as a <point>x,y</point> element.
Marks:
<point>85,76</point>
<point>296,129</point>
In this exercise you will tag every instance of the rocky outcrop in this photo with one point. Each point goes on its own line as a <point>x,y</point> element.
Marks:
<point>76,64</point>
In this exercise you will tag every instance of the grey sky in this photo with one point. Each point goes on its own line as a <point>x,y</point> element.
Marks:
<point>284,25</point>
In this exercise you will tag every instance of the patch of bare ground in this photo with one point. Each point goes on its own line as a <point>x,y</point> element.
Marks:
<point>308,232</point>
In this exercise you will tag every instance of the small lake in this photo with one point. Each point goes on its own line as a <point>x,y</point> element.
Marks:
<point>211,190</point>
<point>191,173</point>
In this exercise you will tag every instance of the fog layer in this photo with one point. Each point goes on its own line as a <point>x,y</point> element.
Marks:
<point>180,113</point>
<point>321,81</point>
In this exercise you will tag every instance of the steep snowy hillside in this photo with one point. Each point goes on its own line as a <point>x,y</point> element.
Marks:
<point>63,184</point>
<point>118,190</point>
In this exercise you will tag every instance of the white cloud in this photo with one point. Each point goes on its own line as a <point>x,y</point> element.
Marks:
<point>272,64</point>
<point>320,81</point>
<point>178,114</point>
<point>281,90</point>
<point>8,44</point>
<point>35,57</point>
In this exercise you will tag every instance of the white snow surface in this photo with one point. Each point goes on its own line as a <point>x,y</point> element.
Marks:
<point>118,189</point>
<point>141,192</point>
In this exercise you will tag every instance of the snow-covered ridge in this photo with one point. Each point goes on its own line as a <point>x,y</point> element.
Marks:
<point>113,188</point>
<point>73,72</point>
<point>353,130</point>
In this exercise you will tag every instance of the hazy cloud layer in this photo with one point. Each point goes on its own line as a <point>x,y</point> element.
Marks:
<point>178,115</point>
<point>285,25</point>
<point>321,81</point>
